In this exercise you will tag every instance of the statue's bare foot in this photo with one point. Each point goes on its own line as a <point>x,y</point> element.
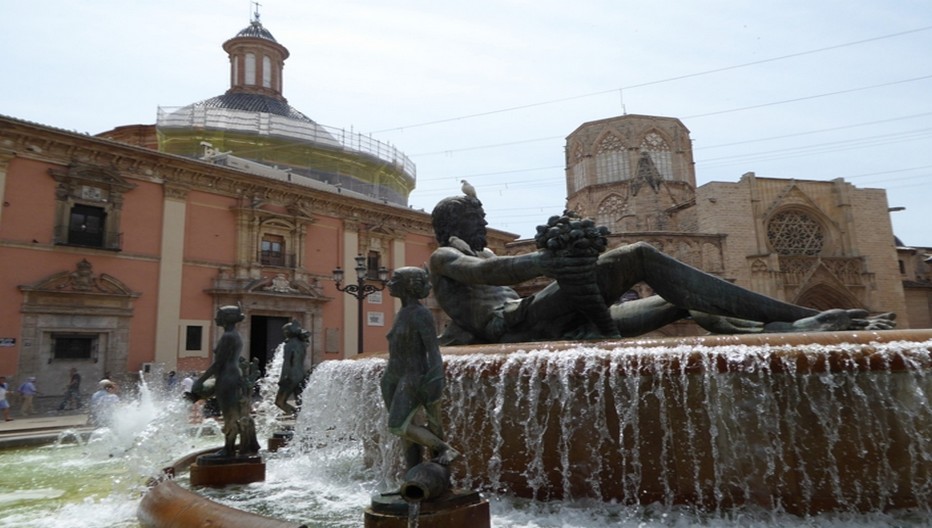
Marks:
<point>884,321</point>
<point>446,456</point>
<point>827,321</point>
<point>838,319</point>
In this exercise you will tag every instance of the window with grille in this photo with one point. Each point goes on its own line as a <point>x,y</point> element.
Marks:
<point>73,346</point>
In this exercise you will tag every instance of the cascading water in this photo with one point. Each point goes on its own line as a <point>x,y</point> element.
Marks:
<point>715,430</point>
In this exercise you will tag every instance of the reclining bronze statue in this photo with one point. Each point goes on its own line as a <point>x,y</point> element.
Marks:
<point>473,286</point>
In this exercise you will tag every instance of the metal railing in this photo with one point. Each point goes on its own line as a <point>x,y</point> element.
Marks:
<point>265,124</point>
<point>110,240</point>
<point>274,258</point>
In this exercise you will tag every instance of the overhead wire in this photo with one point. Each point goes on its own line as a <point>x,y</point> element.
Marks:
<point>655,82</point>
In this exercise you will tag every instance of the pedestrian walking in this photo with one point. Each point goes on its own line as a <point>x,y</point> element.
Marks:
<point>28,392</point>
<point>72,392</point>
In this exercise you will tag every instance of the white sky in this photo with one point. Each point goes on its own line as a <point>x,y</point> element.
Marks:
<point>488,90</point>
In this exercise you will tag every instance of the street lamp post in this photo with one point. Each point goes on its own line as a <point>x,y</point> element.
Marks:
<point>360,291</point>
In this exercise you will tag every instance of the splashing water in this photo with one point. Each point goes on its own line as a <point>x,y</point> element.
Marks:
<point>96,483</point>
<point>267,414</point>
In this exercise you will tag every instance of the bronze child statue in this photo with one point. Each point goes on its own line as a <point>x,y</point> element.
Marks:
<point>293,375</point>
<point>414,376</point>
<point>231,387</point>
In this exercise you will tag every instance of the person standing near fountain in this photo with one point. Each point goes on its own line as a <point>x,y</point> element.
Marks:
<point>414,376</point>
<point>293,375</point>
<point>4,405</point>
<point>103,403</point>
<point>231,387</point>
<point>472,285</point>
<point>72,398</point>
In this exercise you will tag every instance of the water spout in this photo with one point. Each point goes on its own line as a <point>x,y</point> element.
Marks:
<point>69,436</point>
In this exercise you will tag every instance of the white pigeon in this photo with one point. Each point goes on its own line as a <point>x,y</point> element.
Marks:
<point>468,189</point>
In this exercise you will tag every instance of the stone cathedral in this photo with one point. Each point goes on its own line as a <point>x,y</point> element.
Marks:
<point>822,244</point>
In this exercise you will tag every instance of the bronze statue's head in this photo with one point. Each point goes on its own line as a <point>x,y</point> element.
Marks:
<point>229,314</point>
<point>460,216</point>
<point>410,279</point>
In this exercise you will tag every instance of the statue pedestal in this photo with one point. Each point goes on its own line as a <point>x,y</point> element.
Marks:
<point>279,440</point>
<point>217,471</point>
<point>460,509</point>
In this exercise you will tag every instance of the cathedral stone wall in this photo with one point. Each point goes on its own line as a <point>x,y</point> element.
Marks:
<point>822,244</point>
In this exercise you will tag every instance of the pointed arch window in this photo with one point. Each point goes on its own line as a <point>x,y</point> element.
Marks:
<point>611,160</point>
<point>580,171</point>
<point>610,211</point>
<point>659,151</point>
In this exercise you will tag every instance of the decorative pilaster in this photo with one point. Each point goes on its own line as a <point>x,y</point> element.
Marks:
<point>168,319</point>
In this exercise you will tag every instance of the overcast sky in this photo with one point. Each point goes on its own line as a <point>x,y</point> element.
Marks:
<point>488,90</point>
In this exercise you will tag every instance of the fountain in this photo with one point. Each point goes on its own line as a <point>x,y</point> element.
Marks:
<point>801,424</point>
<point>833,432</point>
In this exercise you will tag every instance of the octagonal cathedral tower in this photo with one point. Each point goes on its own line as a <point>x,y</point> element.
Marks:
<point>632,173</point>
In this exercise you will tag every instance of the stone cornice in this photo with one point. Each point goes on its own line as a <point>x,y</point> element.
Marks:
<point>51,145</point>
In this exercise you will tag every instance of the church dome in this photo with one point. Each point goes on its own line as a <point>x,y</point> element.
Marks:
<point>256,30</point>
<point>248,102</point>
<point>253,121</point>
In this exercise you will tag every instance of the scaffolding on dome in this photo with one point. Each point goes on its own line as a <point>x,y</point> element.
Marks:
<point>273,125</point>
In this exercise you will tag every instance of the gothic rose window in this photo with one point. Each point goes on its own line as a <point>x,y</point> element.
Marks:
<point>795,233</point>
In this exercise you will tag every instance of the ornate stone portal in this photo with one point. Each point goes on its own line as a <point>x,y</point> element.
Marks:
<point>76,317</point>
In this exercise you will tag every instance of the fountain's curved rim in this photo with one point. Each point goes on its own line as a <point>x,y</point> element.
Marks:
<point>794,339</point>
<point>168,505</point>
<point>799,352</point>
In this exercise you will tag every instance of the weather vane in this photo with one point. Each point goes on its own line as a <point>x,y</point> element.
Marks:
<point>255,16</point>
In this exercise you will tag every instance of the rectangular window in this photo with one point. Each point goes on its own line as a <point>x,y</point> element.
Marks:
<point>193,336</point>
<point>372,265</point>
<point>272,252</point>
<point>250,69</point>
<point>73,346</point>
<point>266,72</point>
<point>87,225</point>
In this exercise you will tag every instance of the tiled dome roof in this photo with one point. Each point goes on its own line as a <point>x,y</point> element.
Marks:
<point>256,30</point>
<point>249,102</point>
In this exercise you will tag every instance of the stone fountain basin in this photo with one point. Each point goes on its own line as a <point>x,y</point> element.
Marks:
<point>803,423</point>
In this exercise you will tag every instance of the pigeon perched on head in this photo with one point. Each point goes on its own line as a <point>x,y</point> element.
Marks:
<point>468,189</point>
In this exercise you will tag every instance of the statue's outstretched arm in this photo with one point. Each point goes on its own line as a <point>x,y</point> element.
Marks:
<point>496,271</point>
